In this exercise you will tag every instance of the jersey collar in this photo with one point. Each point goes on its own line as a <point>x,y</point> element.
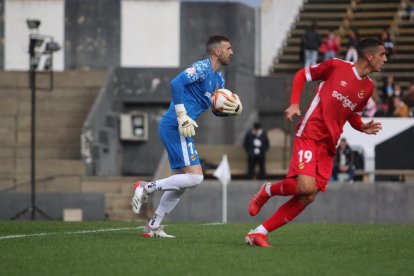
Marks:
<point>356,73</point>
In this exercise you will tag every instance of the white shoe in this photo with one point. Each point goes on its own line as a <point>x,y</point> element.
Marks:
<point>140,196</point>
<point>155,233</point>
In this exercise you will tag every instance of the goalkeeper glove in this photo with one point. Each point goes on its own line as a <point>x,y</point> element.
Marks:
<point>185,124</point>
<point>233,105</point>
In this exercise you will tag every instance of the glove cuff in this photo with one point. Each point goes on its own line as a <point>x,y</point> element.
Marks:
<point>180,110</point>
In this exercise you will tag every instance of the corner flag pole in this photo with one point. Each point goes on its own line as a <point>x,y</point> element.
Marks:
<point>224,220</point>
<point>222,173</point>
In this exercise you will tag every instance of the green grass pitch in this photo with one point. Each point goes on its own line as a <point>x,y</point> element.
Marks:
<point>116,248</point>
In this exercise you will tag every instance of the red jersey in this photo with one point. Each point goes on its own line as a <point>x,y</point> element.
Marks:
<point>340,96</point>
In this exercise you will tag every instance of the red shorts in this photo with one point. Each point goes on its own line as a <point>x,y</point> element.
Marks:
<point>310,157</point>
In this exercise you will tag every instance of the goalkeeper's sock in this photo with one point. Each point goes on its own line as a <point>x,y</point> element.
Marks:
<point>150,187</point>
<point>155,221</point>
<point>286,213</point>
<point>168,202</point>
<point>285,187</point>
<point>175,182</point>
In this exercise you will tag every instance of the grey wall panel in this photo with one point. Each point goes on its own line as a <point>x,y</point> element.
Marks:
<point>381,202</point>
<point>141,158</point>
<point>92,204</point>
<point>144,90</point>
<point>273,95</point>
<point>92,30</point>
<point>201,20</point>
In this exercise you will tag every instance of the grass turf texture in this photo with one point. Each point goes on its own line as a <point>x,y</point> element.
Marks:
<point>199,249</point>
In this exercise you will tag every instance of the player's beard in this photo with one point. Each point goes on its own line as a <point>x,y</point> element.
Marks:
<point>224,62</point>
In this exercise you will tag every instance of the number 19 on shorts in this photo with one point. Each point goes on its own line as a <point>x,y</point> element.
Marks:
<point>305,156</point>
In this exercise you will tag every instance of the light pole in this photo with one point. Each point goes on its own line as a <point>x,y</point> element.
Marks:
<point>47,46</point>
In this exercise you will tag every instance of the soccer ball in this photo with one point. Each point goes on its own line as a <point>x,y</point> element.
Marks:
<point>219,97</point>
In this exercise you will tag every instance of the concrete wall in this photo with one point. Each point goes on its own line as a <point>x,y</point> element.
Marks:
<point>277,17</point>
<point>381,202</point>
<point>92,34</point>
<point>201,20</point>
<point>101,33</point>
<point>51,14</point>
<point>150,34</point>
<point>52,204</point>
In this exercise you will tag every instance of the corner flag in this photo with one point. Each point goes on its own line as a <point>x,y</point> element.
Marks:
<point>224,176</point>
<point>222,173</point>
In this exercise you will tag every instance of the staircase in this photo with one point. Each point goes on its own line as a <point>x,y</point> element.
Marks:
<point>402,64</point>
<point>369,17</point>
<point>59,118</point>
<point>118,193</point>
<point>329,14</point>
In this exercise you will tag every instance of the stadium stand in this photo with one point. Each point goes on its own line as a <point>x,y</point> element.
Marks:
<point>369,17</point>
<point>60,114</point>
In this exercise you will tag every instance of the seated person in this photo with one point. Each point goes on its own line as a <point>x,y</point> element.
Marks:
<point>344,161</point>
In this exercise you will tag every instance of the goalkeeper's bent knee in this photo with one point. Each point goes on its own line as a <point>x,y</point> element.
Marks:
<point>194,179</point>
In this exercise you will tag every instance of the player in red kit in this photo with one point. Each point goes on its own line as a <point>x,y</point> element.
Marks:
<point>341,95</point>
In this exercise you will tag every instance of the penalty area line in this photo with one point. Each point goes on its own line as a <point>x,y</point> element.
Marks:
<point>18,236</point>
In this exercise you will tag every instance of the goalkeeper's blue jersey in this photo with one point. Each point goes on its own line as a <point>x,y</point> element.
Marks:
<point>193,88</point>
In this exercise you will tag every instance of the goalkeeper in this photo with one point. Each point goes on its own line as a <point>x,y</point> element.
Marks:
<point>191,95</point>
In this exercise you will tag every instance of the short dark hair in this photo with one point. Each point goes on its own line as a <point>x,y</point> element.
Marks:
<point>368,44</point>
<point>257,125</point>
<point>213,41</point>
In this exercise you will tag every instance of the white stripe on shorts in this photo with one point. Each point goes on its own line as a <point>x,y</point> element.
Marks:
<point>185,151</point>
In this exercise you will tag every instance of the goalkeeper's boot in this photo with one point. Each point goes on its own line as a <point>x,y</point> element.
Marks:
<point>140,196</point>
<point>258,200</point>
<point>257,239</point>
<point>155,232</point>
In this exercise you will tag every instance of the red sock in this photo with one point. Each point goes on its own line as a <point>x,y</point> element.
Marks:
<point>287,212</point>
<point>285,187</point>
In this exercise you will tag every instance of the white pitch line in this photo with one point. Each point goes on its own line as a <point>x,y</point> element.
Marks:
<point>17,236</point>
<point>68,233</point>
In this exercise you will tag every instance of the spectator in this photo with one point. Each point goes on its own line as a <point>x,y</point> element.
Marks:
<point>330,45</point>
<point>382,110</point>
<point>387,88</point>
<point>311,42</point>
<point>397,90</point>
<point>370,109</point>
<point>353,42</point>
<point>344,161</point>
<point>409,96</point>
<point>407,10</point>
<point>388,93</point>
<point>256,143</point>
<point>388,44</point>
<point>400,108</point>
